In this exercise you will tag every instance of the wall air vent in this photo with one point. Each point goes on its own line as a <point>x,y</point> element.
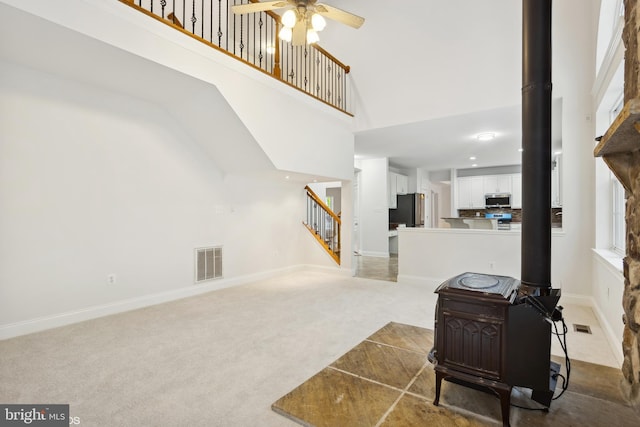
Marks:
<point>208,263</point>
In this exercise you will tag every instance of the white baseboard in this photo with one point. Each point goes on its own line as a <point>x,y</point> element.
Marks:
<point>614,343</point>
<point>375,254</point>
<point>61,319</point>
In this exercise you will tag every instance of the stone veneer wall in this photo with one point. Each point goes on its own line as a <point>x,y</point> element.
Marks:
<point>631,296</point>
<point>620,149</point>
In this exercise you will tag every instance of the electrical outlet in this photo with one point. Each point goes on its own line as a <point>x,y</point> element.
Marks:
<point>111,279</point>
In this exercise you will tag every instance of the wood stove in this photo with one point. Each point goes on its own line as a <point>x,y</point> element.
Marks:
<point>489,336</point>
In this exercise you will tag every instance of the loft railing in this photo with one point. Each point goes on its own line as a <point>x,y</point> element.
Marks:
<point>323,224</point>
<point>253,38</point>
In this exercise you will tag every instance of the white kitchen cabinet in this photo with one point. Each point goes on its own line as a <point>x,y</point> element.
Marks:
<point>471,192</point>
<point>398,184</point>
<point>497,184</point>
<point>402,184</point>
<point>392,190</point>
<point>516,191</point>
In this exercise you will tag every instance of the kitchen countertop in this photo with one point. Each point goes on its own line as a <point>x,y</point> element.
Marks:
<point>473,222</point>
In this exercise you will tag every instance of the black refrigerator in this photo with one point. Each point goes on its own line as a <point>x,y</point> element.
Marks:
<point>409,210</point>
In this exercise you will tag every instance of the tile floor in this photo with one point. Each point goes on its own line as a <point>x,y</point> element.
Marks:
<point>594,347</point>
<point>377,268</point>
<point>386,380</point>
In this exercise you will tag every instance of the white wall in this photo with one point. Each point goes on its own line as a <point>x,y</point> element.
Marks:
<point>374,207</point>
<point>434,255</point>
<point>94,182</point>
<point>574,35</point>
<point>607,297</point>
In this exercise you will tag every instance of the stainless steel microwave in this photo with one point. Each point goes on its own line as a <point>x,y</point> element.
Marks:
<point>497,200</point>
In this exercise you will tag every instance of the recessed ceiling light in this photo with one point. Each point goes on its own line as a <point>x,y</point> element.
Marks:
<point>486,136</point>
<point>521,149</point>
<point>474,165</point>
<point>287,177</point>
<point>472,158</point>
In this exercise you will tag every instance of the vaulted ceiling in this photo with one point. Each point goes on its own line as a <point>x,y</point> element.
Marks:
<point>430,75</point>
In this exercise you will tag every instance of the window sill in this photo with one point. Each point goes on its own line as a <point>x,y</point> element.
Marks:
<point>611,258</point>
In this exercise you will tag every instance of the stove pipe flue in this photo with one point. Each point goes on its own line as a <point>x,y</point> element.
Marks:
<point>536,144</point>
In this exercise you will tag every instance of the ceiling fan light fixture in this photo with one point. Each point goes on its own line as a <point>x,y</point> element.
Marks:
<point>289,19</point>
<point>318,22</point>
<point>285,34</point>
<point>312,36</point>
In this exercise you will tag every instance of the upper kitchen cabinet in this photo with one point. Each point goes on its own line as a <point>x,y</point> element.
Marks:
<point>471,192</point>
<point>498,184</point>
<point>402,184</point>
<point>472,189</point>
<point>516,191</point>
<point>398,184</point>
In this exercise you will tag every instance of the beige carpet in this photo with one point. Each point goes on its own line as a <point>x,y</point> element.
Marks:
<point>386,380</point>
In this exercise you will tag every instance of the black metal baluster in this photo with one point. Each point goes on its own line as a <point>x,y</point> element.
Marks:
<point>151,8</point>
<point>291,59</point>
<point>261,23</point>
<point>318,76</point>
<point>226,24</point>
<point>299,67</point>
<point>306,59</point>
<point>235,17</point>
<point>202,19</point>
<point>163,3</point>
<point>330,77</point>
<point>183,13</point>
<point>241,35</point>
<point>193,17</point>
<point>219,23</point>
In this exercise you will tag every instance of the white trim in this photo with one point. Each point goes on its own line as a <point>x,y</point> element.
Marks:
<point>612,59</point>
<point>611,260</point>
<point>375,254</point>
<point>614,343</point>
<point>61,319</point>
<point>589,301</point>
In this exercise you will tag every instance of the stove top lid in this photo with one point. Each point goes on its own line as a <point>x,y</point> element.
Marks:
<point>488,284</point>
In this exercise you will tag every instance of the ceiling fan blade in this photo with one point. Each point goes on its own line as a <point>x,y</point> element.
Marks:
<point>299,36</point>
<point>258,7</point>
<point>339,15</point>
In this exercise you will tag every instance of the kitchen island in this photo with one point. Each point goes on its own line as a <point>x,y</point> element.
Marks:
<point>480,223</point>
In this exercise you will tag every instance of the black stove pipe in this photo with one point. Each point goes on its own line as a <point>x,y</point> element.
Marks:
<point>536,144</point>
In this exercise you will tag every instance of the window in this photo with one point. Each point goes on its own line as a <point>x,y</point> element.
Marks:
<point>618,240</point>
<point>619,227</point>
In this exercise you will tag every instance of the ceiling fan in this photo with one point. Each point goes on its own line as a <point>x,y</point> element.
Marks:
<point>303,19</point>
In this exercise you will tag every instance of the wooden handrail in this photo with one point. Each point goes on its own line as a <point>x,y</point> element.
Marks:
<point>322,204</point>
<point>346,68</point>
<point>275,72</point>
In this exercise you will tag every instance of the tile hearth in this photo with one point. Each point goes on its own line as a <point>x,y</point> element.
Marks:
<point>386,380</point>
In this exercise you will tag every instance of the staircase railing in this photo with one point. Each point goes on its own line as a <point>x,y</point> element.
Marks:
<point>324,224</point>
<point>253,39</point>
